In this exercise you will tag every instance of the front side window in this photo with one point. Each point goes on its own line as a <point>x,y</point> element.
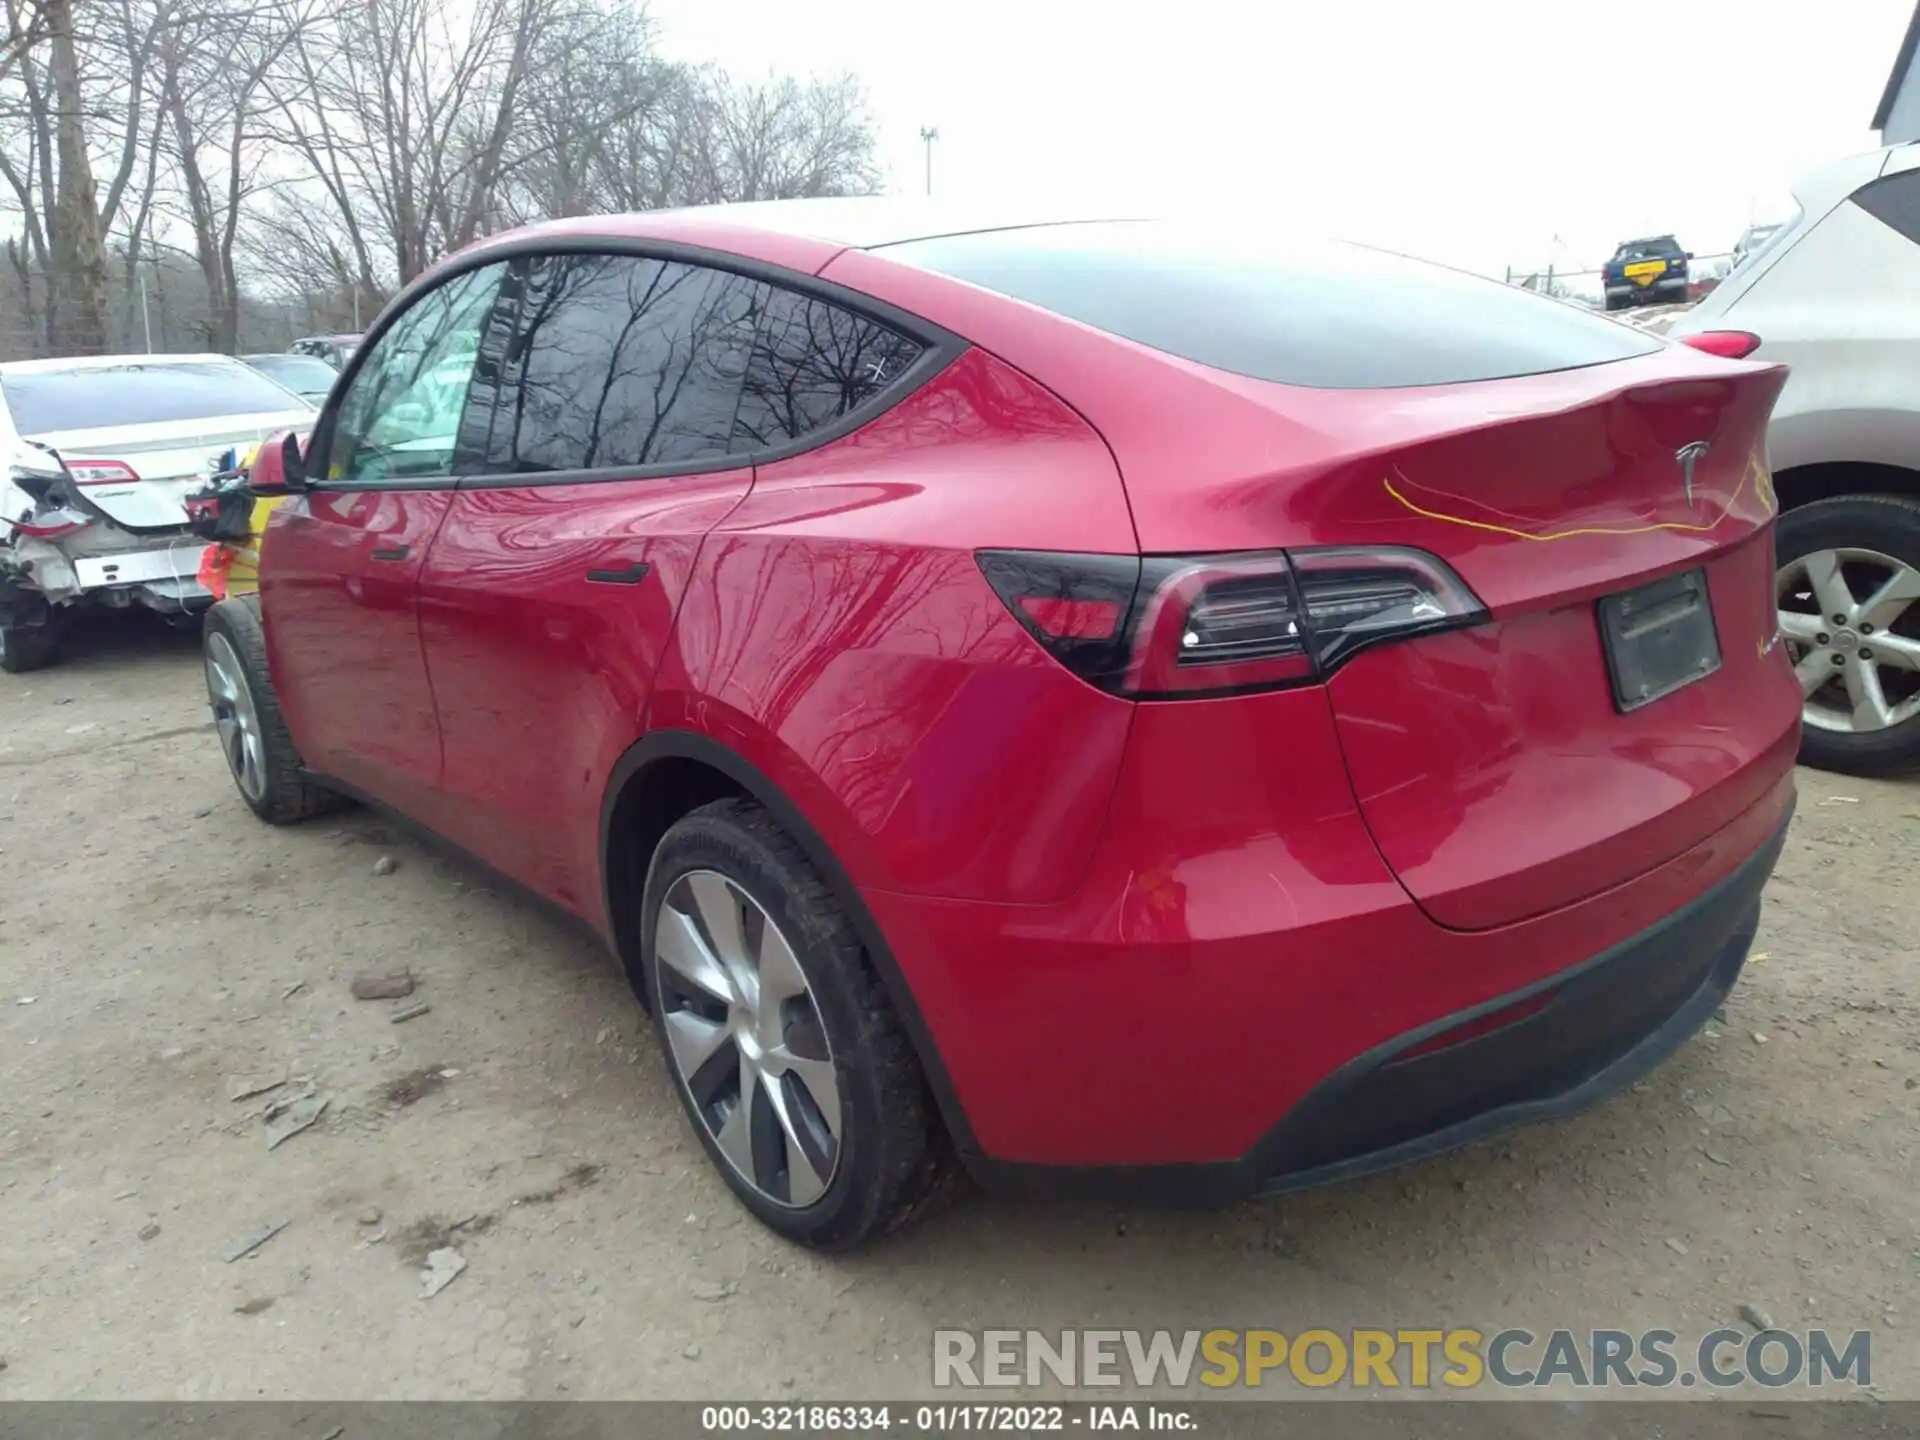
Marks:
<point>401,417</point>
<point>619,361</point>
<point>813,363</point>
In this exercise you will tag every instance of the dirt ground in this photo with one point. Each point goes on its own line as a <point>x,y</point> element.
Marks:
<point>158,945</point>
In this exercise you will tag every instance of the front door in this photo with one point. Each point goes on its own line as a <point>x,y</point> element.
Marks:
<point>340,592</point>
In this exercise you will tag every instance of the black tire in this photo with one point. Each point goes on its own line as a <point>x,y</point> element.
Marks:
<point>1890,525</point>
<point>286,796</point>
<point>894,1159</point>
<point>28,647</point>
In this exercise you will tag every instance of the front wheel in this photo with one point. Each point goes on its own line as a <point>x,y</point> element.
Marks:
<point>253,735</point>
<point>781,1044</point>
<point>1848,589</point>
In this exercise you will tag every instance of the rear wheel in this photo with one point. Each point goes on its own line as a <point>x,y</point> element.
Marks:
<point>28,647</point>
<point>1848,588</point>
<point>253,735</point>
<point>779,1039</point>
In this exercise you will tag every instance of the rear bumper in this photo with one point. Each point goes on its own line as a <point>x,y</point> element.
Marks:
<point>172,597</point>
<point>1572,1041</point>
<point>1238,952</point>
<point>173,564</point>
<point>1545,1050</point>
<point>1668,288</point>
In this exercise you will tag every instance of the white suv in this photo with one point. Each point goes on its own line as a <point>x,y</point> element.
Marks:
<point>1835,293</point>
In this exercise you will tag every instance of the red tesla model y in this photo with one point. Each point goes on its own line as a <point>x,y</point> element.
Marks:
<point>1137,707</point>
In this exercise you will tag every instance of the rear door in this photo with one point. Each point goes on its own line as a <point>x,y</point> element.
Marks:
<point>340,586</point>
<point>550,592</point>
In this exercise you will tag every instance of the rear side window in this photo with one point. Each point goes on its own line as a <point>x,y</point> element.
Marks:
<point>1335,315</point>
<point>45,402</point>
<point>1894,200</point>
<point>813,363</point>
<point>617,361</point>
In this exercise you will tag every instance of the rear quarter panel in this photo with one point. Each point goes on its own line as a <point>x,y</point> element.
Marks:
<point>840,637</point>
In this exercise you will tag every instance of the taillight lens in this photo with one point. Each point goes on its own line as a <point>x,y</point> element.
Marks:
<point>1187,626</point>
<point>101,472</point>
<point>1729,344</point>
<point>1355,597</point>
<point>51,524</point>
<point>1216,623</point>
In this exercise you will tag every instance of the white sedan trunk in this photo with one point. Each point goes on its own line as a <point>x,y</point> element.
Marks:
<point>172,458</point>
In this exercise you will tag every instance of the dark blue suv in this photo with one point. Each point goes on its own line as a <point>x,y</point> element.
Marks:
<point>1646,272</point>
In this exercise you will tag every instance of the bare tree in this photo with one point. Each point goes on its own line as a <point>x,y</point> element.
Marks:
<point>25,28</point>
<point>69,85</point>
<point>214,63</point>
<point>403,112</point>
<point>77,245</point>
<point>597,103</point>
<point>299,159</point>
<point>782,138</point>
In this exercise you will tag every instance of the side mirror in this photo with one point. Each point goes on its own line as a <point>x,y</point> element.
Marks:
<point>278,467</point>
<point>1688,255</point>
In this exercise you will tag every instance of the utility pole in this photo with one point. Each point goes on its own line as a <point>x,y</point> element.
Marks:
<point>146,320</point>
<point>929,134</point>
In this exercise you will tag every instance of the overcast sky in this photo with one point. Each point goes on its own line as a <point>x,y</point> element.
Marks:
<point>1472,131</point>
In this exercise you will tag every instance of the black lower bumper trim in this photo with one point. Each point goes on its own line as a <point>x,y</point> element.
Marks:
<point>171,597</point>
<point>1580,1036</point>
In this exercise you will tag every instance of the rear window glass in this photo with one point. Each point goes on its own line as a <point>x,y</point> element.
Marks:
<point>1894,200</point>
<point>300,372</point>
<point>1334,315</point>
<point>46,401</point>
<point>1641,249</point>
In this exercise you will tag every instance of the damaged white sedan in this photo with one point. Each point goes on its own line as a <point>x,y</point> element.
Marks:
<point>97,457</point>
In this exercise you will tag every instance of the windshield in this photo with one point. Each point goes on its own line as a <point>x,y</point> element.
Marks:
<point>1335,316</point>
<point>45,402</point>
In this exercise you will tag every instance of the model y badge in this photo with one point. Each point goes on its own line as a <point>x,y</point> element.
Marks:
<point>1689,456</point>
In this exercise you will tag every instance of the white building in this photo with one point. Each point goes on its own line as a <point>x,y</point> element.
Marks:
<point>1898,118</point>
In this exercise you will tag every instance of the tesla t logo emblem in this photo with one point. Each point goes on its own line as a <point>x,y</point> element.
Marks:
<point>1690,456</point>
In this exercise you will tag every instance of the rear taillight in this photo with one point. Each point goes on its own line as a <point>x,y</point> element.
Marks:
<point>1163,627</point>
<point>51,524</point>
<point>1356,597</point>
<point>1729,344</point>
<point>101,472</point>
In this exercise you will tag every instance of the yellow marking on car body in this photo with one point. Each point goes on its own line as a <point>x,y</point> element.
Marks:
<point>1756,473</point>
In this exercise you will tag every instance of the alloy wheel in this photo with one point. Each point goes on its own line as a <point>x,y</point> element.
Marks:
<point>1852,627</point>
<point>235,718</point>
<point>745,1038</point>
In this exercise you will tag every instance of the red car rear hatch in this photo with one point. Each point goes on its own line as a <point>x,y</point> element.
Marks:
<point>1550,752</point>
